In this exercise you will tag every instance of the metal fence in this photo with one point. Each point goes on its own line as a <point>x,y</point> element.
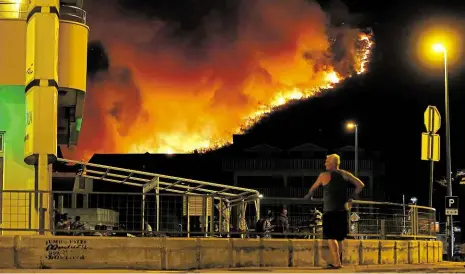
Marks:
<point>137,214</point>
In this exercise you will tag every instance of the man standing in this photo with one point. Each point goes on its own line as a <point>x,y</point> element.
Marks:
<point>282,224</point>
<point>335,183</point>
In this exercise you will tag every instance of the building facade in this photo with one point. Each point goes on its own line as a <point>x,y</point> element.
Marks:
<point>289,173</point>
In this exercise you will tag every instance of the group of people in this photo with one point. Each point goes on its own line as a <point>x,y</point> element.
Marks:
<point>271,224</point>
<point>278,226</point>
<point>64,225</point>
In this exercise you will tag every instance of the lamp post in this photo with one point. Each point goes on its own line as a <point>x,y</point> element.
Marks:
<point>441,49</point>
<point>354,126</point>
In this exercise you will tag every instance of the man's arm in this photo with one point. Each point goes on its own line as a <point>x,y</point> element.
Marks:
<point>314,187</point>
<point>359,185</point>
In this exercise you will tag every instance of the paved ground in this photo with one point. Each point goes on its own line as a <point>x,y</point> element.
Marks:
<point>436,268</point>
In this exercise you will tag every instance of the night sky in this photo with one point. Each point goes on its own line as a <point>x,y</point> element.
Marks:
<point>388,102</point>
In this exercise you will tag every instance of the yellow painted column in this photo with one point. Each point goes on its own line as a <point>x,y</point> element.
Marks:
<point>29,99</point>
<point>40,142</point>
<point>17,177</point>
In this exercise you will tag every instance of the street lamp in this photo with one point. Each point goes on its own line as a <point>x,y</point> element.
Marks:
<point>440,48</point>
<point>354,126</point>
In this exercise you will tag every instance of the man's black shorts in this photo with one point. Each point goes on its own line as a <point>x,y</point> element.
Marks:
<point>335,225</point>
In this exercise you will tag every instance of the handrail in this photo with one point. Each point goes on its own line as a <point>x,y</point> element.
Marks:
<point>161,176</point>
<point>12,10</point>
<point>73,13</point>
<point>364,202</point>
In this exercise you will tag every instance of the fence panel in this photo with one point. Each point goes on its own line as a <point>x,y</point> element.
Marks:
<point>167,215</point>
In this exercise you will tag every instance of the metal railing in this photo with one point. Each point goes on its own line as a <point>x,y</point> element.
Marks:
<point>11,10</point>
<point>289,164</point>
<point>299,192</point>
<point>73,13</point>
<point>390,220</point>
<point>135,214</point>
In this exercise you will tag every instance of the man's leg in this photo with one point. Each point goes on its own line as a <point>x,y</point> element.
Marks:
<point>335,253</point>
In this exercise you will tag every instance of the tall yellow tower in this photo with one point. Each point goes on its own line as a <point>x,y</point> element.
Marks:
<point>43,67</point>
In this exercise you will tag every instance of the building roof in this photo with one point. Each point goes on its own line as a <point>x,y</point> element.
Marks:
<point>263,148</point>
<point>307,147</point>
<point>148,181</point>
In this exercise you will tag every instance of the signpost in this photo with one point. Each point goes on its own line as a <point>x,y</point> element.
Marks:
<point>430,149</point>
<point>430,144</point>
<point>452,205</point>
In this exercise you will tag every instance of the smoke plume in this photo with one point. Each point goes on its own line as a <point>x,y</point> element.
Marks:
<point>170,90</point>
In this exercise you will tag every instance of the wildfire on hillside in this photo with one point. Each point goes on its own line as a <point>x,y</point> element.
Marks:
<point>171,95</point>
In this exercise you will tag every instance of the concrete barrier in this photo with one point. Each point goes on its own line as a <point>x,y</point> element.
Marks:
<point>246,252</point>
<point>351,252</point>
<point>304,253</point>
<point>413,252</point>
<point>370,251</point>
<point>402,252</point>
<point>215,254</point>
<point>423,252</point>
<point>431,247</point>
<point>439,251</point>
<point>35,252</point>
<point>180,253</point>
<point>387,252</point>
<point>276,253</point>
<point>7,252</point>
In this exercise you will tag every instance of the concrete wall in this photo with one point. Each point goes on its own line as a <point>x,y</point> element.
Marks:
<point>182,253</point>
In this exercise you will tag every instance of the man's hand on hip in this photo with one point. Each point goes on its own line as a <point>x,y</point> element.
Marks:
<point>308,196</point>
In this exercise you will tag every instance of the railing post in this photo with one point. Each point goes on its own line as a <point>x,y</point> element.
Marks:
<point>383,229</point>
<point>41,215</point>
<point>143,213</point>
<point>220,216</point>
<point>51,213</point>
<point>188,216</point>
<point>413,224</point>
<point>30,210</point>
<point>212,214</point>
<point>204,215</point>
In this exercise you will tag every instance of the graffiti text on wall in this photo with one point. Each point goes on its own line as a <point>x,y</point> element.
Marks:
<point>65,249</point>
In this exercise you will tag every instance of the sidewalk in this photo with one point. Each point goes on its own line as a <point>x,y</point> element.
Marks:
<point>440,267</point>
<point>445,267</point>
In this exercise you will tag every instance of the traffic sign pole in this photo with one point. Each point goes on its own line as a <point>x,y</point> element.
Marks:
<point>432,120</point>
<point>431,161</point>
<point>431,181</point>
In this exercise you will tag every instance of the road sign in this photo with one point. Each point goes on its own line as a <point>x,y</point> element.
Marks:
<point>432,119</point>
<point>452,205</point>
<point>430,147</point>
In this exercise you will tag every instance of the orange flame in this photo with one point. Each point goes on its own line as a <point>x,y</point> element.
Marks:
<point>163,95</point>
